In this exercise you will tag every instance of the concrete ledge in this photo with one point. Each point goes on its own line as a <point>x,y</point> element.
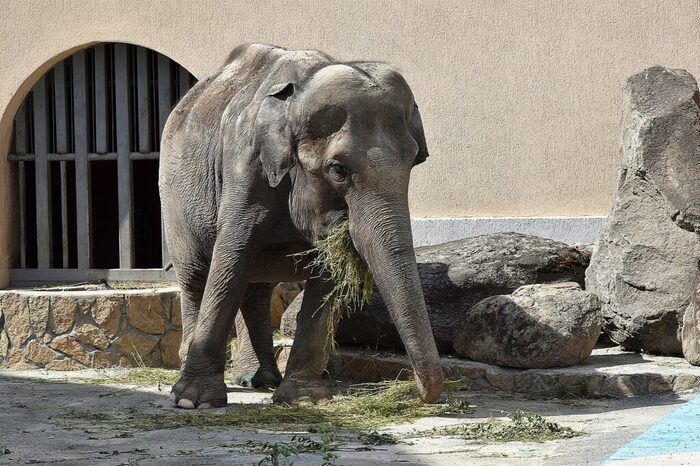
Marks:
<point>609,372</point>
<point>571,230</point>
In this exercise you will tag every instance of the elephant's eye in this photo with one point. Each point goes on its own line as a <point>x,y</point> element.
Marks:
<point>338,172</point>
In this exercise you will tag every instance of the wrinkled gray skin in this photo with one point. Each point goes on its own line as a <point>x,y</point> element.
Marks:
<point>258,162</point>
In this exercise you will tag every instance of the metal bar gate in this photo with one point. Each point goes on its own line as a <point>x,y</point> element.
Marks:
<point>107,103</point>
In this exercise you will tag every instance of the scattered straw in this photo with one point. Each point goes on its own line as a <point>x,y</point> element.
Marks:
<point>140,376</point>
<point>364,407</point>
<point>522,426</point>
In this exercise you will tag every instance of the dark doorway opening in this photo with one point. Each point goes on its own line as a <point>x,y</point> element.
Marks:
<point>146,200</point>
<point>105,214</point>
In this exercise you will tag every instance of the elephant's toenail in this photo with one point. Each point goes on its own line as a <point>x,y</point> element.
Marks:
<point>205,406</point>
<point>173,397</point>
<point>185,403</point>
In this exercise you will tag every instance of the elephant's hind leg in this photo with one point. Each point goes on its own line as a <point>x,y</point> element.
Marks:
<point>254,361</point>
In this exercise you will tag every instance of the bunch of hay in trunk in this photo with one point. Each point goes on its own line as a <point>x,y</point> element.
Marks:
<point>353,284</point>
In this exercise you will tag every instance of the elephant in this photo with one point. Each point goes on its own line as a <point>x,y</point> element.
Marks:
<point>257,163</point>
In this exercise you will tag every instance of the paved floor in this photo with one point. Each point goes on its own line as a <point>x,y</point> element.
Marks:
<point>37,427</point>
<point>674,439</point>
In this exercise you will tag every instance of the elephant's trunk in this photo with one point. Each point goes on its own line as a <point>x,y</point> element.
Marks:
<point>381,231</point>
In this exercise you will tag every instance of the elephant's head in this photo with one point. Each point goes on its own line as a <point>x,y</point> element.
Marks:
<point>348,136</point>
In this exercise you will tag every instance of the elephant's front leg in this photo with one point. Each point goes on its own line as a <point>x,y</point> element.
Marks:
<point>308,357</point>
<point>201,382</point>
<point>255,361</point>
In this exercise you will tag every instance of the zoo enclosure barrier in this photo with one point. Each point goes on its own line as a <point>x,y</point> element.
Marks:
<point>85,162</point>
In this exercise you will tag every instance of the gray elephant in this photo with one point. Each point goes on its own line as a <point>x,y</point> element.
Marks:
<point>258,162</point>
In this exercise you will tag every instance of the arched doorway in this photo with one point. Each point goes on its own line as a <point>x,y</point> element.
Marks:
<point>85,150</point>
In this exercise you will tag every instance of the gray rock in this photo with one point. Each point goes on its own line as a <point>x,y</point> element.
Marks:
<point>456,276</point>
<point>691,330</point>
<point>645,264</point>
<point>537,326</point>
<point>288,323</point>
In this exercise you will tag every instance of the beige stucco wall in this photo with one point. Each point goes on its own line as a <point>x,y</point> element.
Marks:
<point>520,99</point>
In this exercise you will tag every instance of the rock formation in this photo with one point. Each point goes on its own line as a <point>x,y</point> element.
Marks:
<point>691,330</point>
<point>645,265</point>
<point>456,276</point>
<point>537,326</point>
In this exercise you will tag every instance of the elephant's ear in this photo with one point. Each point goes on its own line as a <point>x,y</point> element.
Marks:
<point>415,127</point>
<point>272,136</point>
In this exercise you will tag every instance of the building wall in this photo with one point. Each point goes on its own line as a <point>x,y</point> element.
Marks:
<point>520,99</point>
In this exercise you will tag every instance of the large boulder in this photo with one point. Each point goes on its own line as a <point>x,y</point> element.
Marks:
<point>537,326</point>
<point>282,297</point>
<point>456,276</point>
<point>691,330</point>
<point>645,264</point>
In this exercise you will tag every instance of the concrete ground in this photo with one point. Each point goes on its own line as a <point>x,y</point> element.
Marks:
<point>38,425</point>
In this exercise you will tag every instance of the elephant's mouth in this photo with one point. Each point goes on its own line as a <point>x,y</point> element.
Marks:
<point>331,224</point>
<point>353,284</point>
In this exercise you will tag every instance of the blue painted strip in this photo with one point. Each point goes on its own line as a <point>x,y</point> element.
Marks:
<point>679,432</point>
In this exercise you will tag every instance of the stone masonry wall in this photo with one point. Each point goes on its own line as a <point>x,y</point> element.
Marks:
<point>68,330</point>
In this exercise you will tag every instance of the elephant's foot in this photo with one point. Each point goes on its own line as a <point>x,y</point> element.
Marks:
<point>199,392</point>
<point>259,378</point>
<point>294,391</point>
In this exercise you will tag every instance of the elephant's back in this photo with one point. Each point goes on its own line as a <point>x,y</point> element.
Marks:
<point>221,110</point>
<point>191,139</point>
<point>192,136</point>
<point>198,114</point>
<point>191,147</point>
